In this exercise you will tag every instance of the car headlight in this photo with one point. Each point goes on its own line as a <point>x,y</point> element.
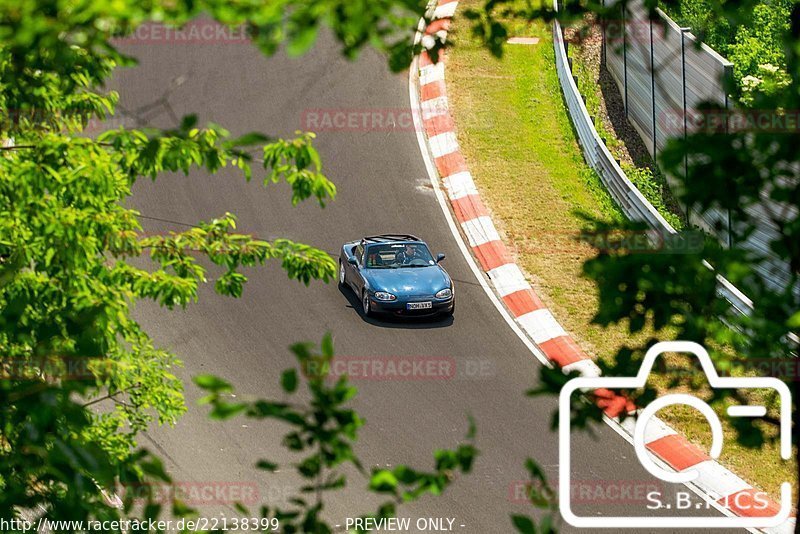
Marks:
<point>383,295</point>
<point>444,294</point>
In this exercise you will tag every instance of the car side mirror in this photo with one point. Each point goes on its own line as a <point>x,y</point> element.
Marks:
<point>352,260</point>
<point>439,257</point>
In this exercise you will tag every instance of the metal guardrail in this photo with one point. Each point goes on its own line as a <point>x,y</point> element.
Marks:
<point>622,190</point>
<point>666,76</point>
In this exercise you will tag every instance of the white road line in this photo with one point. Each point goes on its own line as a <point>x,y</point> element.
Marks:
<point>443,204</point>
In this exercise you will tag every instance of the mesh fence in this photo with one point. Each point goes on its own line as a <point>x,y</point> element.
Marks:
<point>666,77</point>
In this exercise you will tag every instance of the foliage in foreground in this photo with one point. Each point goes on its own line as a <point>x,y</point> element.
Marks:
<point>324,431</point>
<point>81,378</point>
<point>66,285</point>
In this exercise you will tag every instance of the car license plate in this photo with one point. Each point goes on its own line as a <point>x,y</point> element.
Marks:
<point>420,305</point>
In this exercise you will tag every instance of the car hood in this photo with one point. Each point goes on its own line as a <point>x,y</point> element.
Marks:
<point>409,280</point>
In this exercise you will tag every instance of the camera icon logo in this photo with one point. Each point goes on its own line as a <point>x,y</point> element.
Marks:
<point>646,459</point>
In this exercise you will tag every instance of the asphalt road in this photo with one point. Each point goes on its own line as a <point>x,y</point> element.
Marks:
<point>383,187</point>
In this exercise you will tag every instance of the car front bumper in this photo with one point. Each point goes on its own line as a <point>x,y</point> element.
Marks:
<point>399,307</point>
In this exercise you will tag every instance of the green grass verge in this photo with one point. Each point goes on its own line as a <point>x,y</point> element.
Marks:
<point>516,135</point>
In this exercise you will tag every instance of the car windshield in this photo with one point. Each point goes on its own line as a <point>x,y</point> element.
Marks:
<point>398,255</point>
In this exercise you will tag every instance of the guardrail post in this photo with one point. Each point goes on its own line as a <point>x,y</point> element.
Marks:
<point>683,85</point>
<point>727,76</point>
<point>624,55</point>
<point>653,90</point>
<point>603,29</point>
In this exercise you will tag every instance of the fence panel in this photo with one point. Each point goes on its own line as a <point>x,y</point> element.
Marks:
<point>614,51</point>
<point>639,106</point>
<point>668,82</point>
<point>627,196</point>
<point>670,72</point>
<point>705,71</point>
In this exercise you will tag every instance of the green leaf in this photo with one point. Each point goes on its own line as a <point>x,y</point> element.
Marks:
<point>225,410</point>
<point>327,344</point>
<point>546,525</point>
<point>523,524</point>
<point>251,138</point>
<point>383,481</point>
<point>302,40</point>
<point>289,380</point>
<point>266,466</point>
<point>212,383</point>
<point>188,122</point>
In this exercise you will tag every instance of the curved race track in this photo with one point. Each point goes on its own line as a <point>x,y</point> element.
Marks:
<point>383,187</point>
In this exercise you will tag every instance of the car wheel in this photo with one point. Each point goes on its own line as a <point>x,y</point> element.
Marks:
<point>342,278</point>
<point>365,304</point>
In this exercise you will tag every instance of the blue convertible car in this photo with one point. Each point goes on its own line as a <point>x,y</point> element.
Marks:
<point>396,274</point>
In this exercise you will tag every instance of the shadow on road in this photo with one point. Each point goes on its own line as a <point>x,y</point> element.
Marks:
<point>389,321</point>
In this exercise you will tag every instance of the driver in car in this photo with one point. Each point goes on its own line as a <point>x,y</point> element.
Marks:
<point>408,254</point>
